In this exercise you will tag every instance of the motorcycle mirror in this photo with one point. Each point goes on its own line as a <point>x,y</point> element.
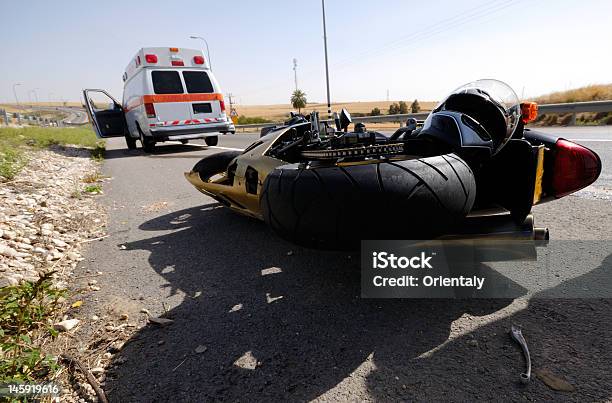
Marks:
<point>337,120</point>
<point>411,124</point>
<point>314,122</point>
<point>345,119</point>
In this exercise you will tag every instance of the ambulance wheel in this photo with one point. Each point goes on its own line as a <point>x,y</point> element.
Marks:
<point>147,145</point>
<point>212,140</point>
<point>130,141</point>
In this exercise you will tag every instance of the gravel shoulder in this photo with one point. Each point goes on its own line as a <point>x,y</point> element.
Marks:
<point>47,219</point>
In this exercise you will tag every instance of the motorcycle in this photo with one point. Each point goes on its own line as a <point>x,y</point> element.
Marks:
<point>470,170</point>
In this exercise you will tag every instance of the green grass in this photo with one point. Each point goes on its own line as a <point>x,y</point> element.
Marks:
<point>26,311</point>
<point>13,141</point>
<point>243,120</point>
<point>43,137</point>
<point>93,188</point>
<point>11,162</point>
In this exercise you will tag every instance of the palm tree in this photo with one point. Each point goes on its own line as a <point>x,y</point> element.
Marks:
<point>298,100</point>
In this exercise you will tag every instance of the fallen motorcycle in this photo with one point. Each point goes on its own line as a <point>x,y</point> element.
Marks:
<point>470,170</point>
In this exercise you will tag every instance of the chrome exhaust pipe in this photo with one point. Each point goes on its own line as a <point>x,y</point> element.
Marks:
<point>499,227</point>
<point>541,234</point>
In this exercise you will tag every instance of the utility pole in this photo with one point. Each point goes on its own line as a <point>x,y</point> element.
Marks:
<point>15,93</point>
<point>387,95</point>
<point>295,72</point>
<point>329,112</point>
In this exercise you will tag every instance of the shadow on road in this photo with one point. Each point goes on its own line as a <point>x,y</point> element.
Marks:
<point>160,150</point>
<point>294,334</point>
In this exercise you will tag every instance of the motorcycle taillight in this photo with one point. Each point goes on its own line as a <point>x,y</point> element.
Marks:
<point>575,167</point>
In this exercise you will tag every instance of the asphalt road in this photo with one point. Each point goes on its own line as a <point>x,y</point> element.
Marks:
<point>302,332</point>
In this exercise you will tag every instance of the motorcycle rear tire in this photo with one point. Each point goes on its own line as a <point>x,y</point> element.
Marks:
<point>334,207</point>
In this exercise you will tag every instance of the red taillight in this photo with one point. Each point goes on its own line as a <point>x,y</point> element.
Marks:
<point>575,167</point>
<point>178,63</point>
<point>150,109</point>
<point>151,58</point>
<point>198,60</point>
<point>222,104</point>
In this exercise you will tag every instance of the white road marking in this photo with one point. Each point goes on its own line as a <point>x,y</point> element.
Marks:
<point>206,147</point>
<point>225,148</point>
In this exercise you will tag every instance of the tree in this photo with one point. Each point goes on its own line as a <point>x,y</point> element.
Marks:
<point>375,112</point>
<point>298,100</point>
<point>403,107</point>
<point>393,109</point>
<point>415,107</point>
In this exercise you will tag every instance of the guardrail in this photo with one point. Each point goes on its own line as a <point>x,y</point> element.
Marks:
<point>27,118</point>
<point>573,108</point>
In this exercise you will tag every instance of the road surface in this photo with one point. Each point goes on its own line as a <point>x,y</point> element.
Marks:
<point>302,332</point>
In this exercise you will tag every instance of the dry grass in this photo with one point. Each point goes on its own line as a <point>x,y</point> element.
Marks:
<point>595,92</point>
<point>281,111</point>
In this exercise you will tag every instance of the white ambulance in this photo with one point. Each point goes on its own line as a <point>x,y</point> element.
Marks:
<point>168,94</point>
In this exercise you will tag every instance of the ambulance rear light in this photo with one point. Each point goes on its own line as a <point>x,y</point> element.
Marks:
<point>150,109</point>
<point>174,50</point>
<point>222,104</point>
<point>198,60</point>
<point>177,63</point>
<point>151,58</point>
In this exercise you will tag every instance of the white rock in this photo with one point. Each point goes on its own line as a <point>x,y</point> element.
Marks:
<point>10,252</point>
<point>25,246</point>
<point>8,234</point>
<point>59,243</point>
<point>66,325</point>
<point>39,250</point>
<point>72,256</point>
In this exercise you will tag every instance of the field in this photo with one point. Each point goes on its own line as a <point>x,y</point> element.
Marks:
<point>281,111</point>
<point>595,92</point>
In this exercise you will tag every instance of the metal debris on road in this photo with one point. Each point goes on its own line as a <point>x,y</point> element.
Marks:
<point>517,335</point>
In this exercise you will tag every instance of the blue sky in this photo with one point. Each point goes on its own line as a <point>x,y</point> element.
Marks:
<point>413,49</point>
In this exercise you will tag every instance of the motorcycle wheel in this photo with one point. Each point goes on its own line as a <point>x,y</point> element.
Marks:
<point>335,207</point>
<point>214,164</point>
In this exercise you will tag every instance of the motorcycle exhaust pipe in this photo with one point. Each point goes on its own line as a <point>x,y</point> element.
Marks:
<point>541,234</point>
<point>496,238</point>
<point>499,227</point>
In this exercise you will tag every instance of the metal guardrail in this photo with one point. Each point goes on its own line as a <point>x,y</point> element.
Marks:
<point>574,107</point>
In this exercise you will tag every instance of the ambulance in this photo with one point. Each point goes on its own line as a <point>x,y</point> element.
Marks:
<point>168,94</point>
